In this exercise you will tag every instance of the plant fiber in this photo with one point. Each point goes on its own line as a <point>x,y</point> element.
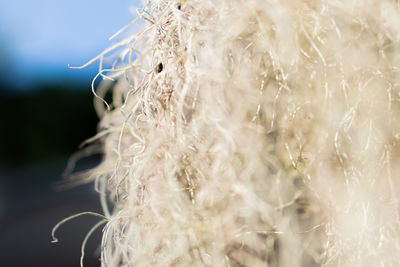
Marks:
<point>253,133</point>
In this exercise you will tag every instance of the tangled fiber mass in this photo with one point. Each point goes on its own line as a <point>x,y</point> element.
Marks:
<point>253,133</point>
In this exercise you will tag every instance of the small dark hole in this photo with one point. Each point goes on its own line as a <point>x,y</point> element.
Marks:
<point>159,67</point>
<point>178,6</point>
<point>301,211</point>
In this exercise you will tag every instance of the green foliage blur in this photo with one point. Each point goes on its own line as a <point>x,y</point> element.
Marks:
<point>45,123</point>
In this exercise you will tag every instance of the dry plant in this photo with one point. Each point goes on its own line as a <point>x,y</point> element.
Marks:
<point>252,133</point>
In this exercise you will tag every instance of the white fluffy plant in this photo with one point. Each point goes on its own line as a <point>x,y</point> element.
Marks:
<point>254,133</point>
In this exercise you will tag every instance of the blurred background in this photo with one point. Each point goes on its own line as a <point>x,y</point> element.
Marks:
<point>47,111</point>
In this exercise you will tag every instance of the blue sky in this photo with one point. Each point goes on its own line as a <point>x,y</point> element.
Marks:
<point>39,38</point>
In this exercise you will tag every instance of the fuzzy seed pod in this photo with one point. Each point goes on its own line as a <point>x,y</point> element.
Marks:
<point>254,133</point>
